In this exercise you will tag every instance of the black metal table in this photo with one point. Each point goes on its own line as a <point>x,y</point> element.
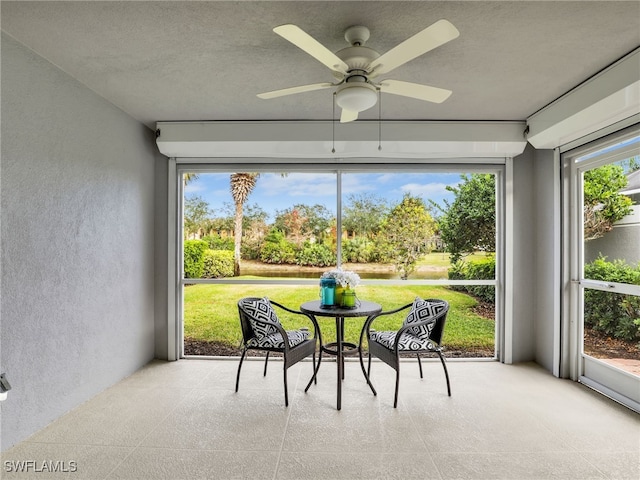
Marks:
<point>340,347</point>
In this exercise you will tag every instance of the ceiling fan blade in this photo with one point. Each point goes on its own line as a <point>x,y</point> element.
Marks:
<point>348,116</point>
<point>431,37</point>
<point>415,90</point>
<point>306,42</point>
<point>294,90</point>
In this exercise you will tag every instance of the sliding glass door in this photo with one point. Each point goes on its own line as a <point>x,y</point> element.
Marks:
<point>605,266</point>
<point>407,230</point>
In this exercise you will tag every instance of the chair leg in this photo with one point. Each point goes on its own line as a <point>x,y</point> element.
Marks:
<point>265,363</point>
<point>364,371</point>
<point>395,399</point>
<point>286,391</point>
<point>244,352</point>
<point>419,364</point>
<point>314,379</point>
<point>446,374</point>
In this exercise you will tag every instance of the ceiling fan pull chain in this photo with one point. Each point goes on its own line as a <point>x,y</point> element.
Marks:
<point>379,120</point>
<point>333,125</point>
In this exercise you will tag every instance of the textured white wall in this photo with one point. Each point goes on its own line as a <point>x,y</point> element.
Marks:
<point>523,258</point>
<point>161,252</point>
<point>77,236</point>
<point>547,201</point>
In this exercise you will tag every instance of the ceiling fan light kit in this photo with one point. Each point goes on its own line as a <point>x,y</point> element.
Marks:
<point>356,96</point>
<point>357,65</point>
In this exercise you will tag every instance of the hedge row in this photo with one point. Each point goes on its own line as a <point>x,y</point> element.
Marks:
<point>202,262</point>
<point>481,269</point>
<point>615,314</point>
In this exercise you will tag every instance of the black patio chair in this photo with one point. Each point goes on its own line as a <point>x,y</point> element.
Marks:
<point>421,332</point>
<point>262,330</point>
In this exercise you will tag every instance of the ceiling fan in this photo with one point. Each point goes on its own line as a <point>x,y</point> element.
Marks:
<point>356,66</point>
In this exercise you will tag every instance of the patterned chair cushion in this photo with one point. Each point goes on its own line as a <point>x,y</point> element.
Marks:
<point>421,310</point>
<point>262,310</point>
<point>408,343</point>
<point>295,337</point>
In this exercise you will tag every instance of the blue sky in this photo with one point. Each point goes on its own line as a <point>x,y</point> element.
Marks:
<point>274,192</point>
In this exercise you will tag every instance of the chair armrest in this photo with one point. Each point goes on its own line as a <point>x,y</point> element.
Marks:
<point>370,319</point>
<point>316,327</point>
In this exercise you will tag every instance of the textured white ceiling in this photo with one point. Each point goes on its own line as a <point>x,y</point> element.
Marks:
<point>162,61</point>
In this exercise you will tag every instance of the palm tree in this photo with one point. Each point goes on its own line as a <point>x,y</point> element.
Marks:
<point>188,177</point>
<point>242,184</point>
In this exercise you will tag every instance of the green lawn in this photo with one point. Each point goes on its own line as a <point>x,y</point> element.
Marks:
<point>441,259</point>
<point>211,314</point>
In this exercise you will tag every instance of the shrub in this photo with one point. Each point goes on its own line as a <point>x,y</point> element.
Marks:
<point>481,269</point>
<point>358,250</point>
<point>218,263</point>
<point>216,242</point>
<point>277,249</point>
<point>381,250</point>
<point>250,248</point>
<point>616,315</point>
<point>194,258</point>
<point>315,255</point>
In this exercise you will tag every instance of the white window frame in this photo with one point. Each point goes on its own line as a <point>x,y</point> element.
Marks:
<point>500,167</point>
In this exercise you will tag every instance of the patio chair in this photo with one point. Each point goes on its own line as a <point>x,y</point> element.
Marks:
<point>421,332</point>
<point>262,330</point>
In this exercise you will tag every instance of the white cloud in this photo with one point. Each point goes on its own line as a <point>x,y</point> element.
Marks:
<point>194,188</point>
<point>298,185</point>
<point>426,189</point>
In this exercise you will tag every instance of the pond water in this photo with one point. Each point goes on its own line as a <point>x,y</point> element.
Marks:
<point>280,273</point>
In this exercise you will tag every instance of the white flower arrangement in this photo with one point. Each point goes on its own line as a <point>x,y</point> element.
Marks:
<point>344,278</point>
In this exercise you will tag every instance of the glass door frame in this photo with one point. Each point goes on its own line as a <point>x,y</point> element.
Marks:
<point>620,385</point>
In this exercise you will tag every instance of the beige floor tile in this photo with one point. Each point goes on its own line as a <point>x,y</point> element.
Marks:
<point>46,461</point>
<point>351,466</point>
<point>512,466</point>
<point>175,420</point>
<point>175,464</point>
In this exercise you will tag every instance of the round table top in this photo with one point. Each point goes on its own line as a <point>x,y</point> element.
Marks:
<point>364,309</point>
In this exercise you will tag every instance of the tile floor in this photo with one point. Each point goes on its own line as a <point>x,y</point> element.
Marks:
<point>182,420</point>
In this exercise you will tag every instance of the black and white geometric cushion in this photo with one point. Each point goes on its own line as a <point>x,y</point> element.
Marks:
<point>421,310</point>
<point>274,340</point>
<point>262,310</point>
<point>408,343</point>
<point>416,338</point>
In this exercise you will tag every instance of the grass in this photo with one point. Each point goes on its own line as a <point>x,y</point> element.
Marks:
<point>211,314</point>
<point>441,259</point>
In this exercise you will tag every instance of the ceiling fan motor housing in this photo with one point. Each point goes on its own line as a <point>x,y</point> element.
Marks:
<point>357,58</point>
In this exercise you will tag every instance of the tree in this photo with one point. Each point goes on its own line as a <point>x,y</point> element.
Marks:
<point>254,225</point>
<point>319,219</point>
<point>196,213</point>
<point>363,214</point>
<point>469,222</point>
<point>303,221</point>
<point>189,177</point>
<point>408,229</point>
<point>242,184</point>
<point>603,205</point>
